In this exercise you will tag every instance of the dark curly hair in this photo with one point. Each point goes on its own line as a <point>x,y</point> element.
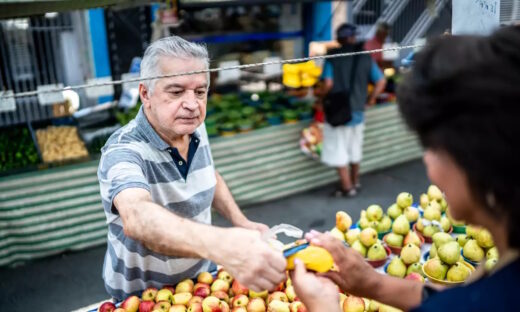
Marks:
<point>463,96</point>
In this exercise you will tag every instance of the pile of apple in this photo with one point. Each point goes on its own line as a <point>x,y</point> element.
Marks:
<point>476,243</point>
<point>220,294</point>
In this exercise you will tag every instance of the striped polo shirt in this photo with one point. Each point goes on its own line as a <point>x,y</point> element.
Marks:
<point>136,157</point>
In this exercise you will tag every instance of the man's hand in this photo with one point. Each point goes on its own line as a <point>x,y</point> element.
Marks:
<point>255,226</point>
<point>250,259</point>
<point>317,293</point>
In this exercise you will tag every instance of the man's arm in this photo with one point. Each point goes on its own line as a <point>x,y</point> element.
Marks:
<point>224,203</point>
<point>377,77</point>
<point>166,233</point>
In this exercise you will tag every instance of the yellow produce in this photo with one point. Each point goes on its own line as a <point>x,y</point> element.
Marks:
<point>60,144</point>
<point>315,258</point>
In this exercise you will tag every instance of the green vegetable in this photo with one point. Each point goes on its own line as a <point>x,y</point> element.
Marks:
<point>17,149</point>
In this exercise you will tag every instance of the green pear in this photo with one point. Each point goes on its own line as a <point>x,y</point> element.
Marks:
<point>410,254</point>
<point>394,240</point>
<point>432,213</point>
<point>473,251</point>
<point>357,246</point>
<point>396,268</point>
<point>335,232</point>
<point>363,214</point>
<point>490,264</point>
<point>424,200</point>
<point>445,224</point>
<point>430,230</point>
<point>434,193</point>
<point>404,200</point>
<point>411,213</point>
<point>374,225</point>
<point>368,237</point>
<point>384,225</point>
<point>374,212</point>
<point>351,236</point>
<point>484,239</point>
<point>364,223</point>
<point>492,253</point>
<point>394,211</point>
<point>373,306</point>
<point>419,225</point>
<point>472,231</point>
<point>376,252</point>
<point>458,272</point>
<point>449,252</point>
<point>462,239</point>
<point>435,268</point>
<point>414,267</point>
<point>433,251</point>
<point>441,238</point>
<point>444,205</point>
<point>412,238</point>
<point>401,225</point>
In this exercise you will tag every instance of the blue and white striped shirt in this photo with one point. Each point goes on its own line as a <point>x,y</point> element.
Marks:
<point>136,157</point>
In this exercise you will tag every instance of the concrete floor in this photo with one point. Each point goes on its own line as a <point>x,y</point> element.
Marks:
<point>73,280</point>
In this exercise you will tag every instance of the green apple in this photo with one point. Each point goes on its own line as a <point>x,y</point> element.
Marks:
<point>435,268</point>
<point>449,252</point>
<point>434,193</point>
<point>376,252</point>
<point>404,200</point>
<point>368,237</point>
<point>492,253</point>
<point>412,238</point>
<point>401,225</point>
<point>441,238</point>
<point>411,213</point>
<point>396,268</point>
<point>351,236</point>
<point>484,239</point>
<point>394,211</point>
<point>343,221</point>
<point>357,246</point>
<point>458,272</point>
<point>394,240</point>
<point>374,212</point>
<point>410,254</point>
<point>424,200</point>
<point>473,251</point>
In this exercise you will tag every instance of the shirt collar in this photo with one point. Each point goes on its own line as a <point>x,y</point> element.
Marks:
<point>155,140</point>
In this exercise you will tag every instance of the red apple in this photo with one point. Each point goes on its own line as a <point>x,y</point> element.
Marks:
<point>297,306</point>
<point>131,304</point>
<point>195,307</point>
<point>201,290</point>
<point>186,286</point>
<point>205,277</point>
<point>224,275</point>
<point>177,308</point>
<point>162,306</point>
<point>146,306</point>
<point>277,295</point>
<point>170,287</point>
<point>239,289</point>
<point>353,304</point>
<point>256,305</point>
<point>149,294</point>
<point>224,306</point>
<point>240,301</point>
<point>239,309</point>
<point>119,310</point>
<point>414,276</point>
<point>195,299</point>
<point>220,284</point>
<point>164,295</point>
<point>107,307</point>
<point>221,295</point>
<point>211,304</point>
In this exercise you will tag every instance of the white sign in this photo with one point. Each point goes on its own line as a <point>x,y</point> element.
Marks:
<point>95,92</point>
<point>475,17</point>
<point>130,85</point>
<point>7,104</point>
<point>49,98</point>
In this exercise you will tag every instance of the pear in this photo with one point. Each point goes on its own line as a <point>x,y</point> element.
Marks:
<point>433,251</point>
<point>335,232</point>
<point>414,267</point>
<point>394,211</point>
<point>490,264</point>
<point>449,252</point>
<point>444,205</point>
<point>445,224</point>
<point>401,225</point>
<point>364,223</point>
<point>472,251</point>
<point>492,253</point>
<point>368,237</point>
<point>351,236</point>
<point>472,231</point>
<point>394,240</point>
<point>424,200</point>
<point>430,230</point>
<point>435,268</point>
<point>441,238</point>
<point>432,213</point>
<point>458,272</point>
<point>462,239</point>
<point>357,246</point>
<point>484,239</point>
<point>396,268</point>
<point>376,252</point>
<point>343,221</point>
<point>374,225</point>
<point>363,214</point>
<point>387,308</point>
<point>374,212</point>
<point>412,238</point>
<point>410,254</point>
<point>384,225</point>
<point>373,306</point>
<point>411,213</point>
<point>419,225</point>
<point>434,193</point>
<point>404,200</point>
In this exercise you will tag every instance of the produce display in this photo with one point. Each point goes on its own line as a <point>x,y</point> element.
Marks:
<point>60,144</point>
<point>17,149</point>
<point>300,75</point>
<point>311,141</point>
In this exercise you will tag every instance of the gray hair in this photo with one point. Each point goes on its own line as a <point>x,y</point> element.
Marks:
<point>173,46</point>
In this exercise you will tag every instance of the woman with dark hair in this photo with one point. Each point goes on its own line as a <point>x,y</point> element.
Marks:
<point>462,98</point>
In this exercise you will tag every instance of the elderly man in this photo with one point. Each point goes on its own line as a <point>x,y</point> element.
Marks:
<point>158,183</point>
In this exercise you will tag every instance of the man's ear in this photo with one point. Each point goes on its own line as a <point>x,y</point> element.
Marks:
<point>144,94</point>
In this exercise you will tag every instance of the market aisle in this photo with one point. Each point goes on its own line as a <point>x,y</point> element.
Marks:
<point>73,280</point>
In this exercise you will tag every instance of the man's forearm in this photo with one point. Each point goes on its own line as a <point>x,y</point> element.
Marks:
<point>399,293</point>
<point>378,89</point>
<point>224,203</point>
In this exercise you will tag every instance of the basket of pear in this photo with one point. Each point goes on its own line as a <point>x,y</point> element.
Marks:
<point>373,217</point>
<point>407,265</point>
<point>476,244</point>
<point>401,235</point>
<point>368,245</point>
<point>446,265</point>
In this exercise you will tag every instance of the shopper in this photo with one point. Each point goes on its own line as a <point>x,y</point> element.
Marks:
<point>462,99</point>
<point>376,43</point>
<point>158,183</point>
<point>346,81</point>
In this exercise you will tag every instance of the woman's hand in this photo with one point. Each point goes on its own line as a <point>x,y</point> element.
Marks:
<point>316,292</point>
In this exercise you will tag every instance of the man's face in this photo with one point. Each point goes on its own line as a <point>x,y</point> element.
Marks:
<point>177,105</point>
